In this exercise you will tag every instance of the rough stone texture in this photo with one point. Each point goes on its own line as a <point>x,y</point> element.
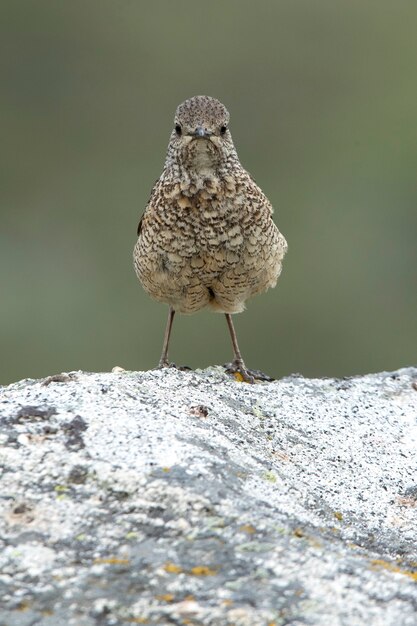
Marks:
<point>172,497</point>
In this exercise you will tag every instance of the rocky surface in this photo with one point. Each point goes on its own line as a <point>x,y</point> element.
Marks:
<point>172,497</point>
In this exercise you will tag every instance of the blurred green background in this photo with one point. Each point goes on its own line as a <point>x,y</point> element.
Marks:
<point>323,102</point>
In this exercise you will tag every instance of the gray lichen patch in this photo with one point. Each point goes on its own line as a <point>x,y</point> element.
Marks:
<point>173,497</point>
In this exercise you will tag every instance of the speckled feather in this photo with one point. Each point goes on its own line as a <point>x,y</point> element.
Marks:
<point>206,237</point>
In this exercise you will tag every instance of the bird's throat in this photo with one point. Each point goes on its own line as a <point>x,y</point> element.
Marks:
<point>203,157</point>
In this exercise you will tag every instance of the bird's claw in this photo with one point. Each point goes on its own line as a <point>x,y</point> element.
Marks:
<point>244,374</point>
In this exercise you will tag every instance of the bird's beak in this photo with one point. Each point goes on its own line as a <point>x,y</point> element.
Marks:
<point>201,132</point>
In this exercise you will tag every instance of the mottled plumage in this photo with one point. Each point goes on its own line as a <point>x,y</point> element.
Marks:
<point>206,237</point>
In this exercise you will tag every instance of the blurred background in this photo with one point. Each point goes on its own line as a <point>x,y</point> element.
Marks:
<point>323,102</point>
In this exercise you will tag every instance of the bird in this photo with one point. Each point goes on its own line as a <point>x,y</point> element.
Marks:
<point>206,237</point>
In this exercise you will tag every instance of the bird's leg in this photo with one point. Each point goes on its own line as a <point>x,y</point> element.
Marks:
<point>163,361</point>
<point>238,364</point>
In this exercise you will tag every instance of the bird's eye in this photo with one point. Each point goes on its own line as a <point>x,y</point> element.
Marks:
<point>223,130</point>
<point>178,129</point>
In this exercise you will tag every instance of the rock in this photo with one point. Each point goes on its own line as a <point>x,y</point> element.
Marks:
<point>173,497</point>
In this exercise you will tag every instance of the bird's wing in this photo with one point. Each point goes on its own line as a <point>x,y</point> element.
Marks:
<point>140,225</point>
<point>151,202</point>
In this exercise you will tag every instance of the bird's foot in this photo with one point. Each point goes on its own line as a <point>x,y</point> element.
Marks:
<point>244,374</point>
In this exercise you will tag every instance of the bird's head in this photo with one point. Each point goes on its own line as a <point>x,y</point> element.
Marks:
<point>201,138</point>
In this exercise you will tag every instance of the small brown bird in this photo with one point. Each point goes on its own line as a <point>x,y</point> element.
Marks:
<point>206,237</point>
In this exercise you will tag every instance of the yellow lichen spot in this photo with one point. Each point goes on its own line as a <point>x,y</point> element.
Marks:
<point>111,561</point>
<point>171,568</point>
<point>270,476</point>
<point>131,535</point>
<point>165,597</point>
<point>338,515</point>
<point>298,532</point>
<point>247,528</point>
<point>391,567</point>
<point>60,488</point>
<point>203,570</point>
<point>227,602</point>
<point>256,410</point>
<point>238,377</point>
<point>166,469</point>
